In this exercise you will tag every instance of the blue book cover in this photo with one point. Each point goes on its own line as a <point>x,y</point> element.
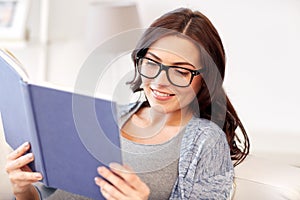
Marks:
<point>70,134</point>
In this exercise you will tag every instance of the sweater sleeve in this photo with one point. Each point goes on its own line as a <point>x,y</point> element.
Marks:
<point>56,194</point>
<point>214,173</point>
<point>205,166</point>
<point>44,192</point>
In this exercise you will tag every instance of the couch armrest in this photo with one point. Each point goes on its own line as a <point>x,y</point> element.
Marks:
<point>264,179</point>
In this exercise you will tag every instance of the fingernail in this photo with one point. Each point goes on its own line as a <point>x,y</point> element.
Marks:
<point>101,169</point>
<point>38,176</point>
<point>26,144</point>
<point>30,156</point>
<point>98,181</point>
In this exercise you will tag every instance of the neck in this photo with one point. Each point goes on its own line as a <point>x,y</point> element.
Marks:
<point>151,125</point>
<point>177,118</point>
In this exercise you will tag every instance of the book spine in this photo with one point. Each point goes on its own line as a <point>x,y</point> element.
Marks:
<point>36,148</point>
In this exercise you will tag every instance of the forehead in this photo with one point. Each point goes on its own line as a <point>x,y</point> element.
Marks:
<point>174,48</point>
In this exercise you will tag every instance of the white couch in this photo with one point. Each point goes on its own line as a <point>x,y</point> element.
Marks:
<point>256,179</point>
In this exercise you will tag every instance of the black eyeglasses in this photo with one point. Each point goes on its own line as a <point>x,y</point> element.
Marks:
<point>178,76</point>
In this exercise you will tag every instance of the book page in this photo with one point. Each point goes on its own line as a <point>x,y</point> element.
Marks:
<point>15,64</point>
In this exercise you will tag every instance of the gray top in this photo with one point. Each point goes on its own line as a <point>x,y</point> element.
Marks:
<point>155,164</point>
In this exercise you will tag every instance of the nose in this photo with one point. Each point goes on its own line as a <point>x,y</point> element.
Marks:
<point>162,79</point>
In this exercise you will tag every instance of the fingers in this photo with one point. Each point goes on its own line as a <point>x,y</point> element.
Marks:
<point>108,191</point>
<point>128,175</point>
<point>20,175</point>
<point>19,162</point>
<point>114,179</point>
<point>25,177</point>
<point>16,165</point>
<point>121,180</point>
<point>22,182</point>
<point>19,151</point>
<point>107,195</point>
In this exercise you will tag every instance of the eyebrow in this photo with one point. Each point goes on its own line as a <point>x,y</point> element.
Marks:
<point>175,63</point>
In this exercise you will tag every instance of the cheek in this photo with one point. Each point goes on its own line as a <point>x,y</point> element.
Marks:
<point>196,84</point>
<point>190,93</point>
<point>145,81</point>
<point>146,85</point>
<point>186,96</point>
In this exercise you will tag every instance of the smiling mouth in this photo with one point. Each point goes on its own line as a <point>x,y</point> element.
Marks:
<point>162,94</point>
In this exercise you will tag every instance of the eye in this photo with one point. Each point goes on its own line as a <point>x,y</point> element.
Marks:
<point>150,62</point>
<point>182,72</point>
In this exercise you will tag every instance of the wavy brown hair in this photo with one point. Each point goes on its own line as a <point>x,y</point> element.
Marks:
<point>212,100</point>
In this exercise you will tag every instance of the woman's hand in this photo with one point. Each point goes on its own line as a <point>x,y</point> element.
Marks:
<point>123,183</point>
<point>20,175</point>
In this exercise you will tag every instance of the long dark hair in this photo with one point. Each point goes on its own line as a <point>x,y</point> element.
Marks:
<point>212,100</point>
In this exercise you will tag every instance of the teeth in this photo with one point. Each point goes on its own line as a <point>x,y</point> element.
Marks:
<point>161,94</point>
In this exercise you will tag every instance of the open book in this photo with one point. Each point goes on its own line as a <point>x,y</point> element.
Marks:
<point>70,134</point>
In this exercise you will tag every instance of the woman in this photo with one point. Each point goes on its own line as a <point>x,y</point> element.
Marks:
<point>180,142</point>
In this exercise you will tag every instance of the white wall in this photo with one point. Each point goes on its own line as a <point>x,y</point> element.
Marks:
<point>261,39</point>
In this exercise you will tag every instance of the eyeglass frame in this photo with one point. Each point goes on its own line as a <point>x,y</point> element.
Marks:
<point>166,69</point>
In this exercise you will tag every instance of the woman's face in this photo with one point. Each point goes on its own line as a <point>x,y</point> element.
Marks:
<point>161,94</point>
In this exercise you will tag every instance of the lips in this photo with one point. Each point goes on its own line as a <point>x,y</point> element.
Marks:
<point>161,95</point>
